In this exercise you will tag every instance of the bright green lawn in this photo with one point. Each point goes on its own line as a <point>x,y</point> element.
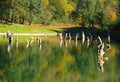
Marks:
<point>17,28</point>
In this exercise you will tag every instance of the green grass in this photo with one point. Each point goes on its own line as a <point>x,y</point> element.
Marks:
<point>17,28</point>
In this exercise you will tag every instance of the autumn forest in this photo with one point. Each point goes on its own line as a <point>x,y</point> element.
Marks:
<point>87,13</point>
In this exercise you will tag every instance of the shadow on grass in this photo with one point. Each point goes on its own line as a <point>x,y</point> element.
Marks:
<point>4,23</point>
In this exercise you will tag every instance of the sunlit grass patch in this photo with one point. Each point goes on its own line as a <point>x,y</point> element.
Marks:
<point>18,28</point>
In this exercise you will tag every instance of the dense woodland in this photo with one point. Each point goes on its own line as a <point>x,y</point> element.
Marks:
<point>87,13</point>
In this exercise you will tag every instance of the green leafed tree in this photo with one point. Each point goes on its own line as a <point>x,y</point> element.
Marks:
<point>96,13</point>
<point>90,13</point>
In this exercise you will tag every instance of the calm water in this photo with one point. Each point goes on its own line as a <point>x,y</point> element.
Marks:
<point>52,62</point>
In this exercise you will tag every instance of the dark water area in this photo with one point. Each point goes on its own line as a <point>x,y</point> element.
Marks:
<point>94,32</point>
<point>56,61</point>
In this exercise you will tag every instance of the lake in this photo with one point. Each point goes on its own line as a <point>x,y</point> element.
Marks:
<point>53,60</point>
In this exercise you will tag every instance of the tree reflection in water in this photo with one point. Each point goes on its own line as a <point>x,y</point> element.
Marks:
<point>55,64</point>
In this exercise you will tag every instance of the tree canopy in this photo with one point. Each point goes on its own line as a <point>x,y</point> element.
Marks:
<point>88,13</point>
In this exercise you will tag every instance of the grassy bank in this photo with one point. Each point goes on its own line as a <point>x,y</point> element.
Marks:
<point>17,28</point>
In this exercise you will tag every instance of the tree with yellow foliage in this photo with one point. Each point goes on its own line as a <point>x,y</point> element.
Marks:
<point>112,16</point>
<point>45,2</point>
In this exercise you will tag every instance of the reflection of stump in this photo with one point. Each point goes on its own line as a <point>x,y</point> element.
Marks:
<point>83,37</point>
<point>9,47</point>
<point>70,37</point>
<point>60,35</point>
<point>66,43</point>
<point>40,43</point>
<point>61,42</point>
<point>9,36</point>
<point>61,39</point>
<point>10,40</point>
<point>40,46</point>
<point>100,58</point>
<point>76,39</point>
<point>100,65</point>
<point>100,55</point>
<point>16,41</point>
<point>27,43</point>
<point>38,39</point>
<point>32,39</point>
<point>66,36</point>
<point>88,41</point>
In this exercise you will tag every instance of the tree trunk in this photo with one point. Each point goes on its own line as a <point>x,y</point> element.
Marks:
<point>92,23</point>
<point>30,22</point>
<point>101,21</point>
<point>12,19</point>
<point>1,18</point>
<point>89,23</point>
<point>6,20</point>
<point>23,19</point>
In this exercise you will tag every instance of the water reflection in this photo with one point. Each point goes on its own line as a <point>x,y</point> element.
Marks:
<point>83,37</point>
<point>70,37</point>
<point>55,64</point>
<point>66,44</point>
<point>76,39</point>
<point>100,55</point>
<point>9,47</point>
<point>88,41</point>
<point>32,40</point>
<point>27,43</point>
<point>10,40</point>
<point>61,43</point>
<point>16,41</point>
<point>40,43</point>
